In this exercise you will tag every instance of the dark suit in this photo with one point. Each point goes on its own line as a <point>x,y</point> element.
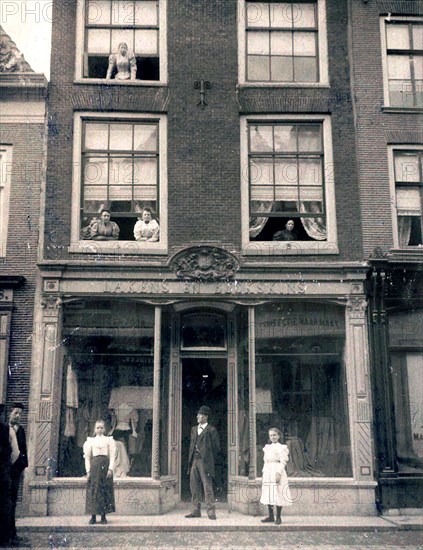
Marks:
<point>203,452</point>
<point>16,472</point>
<point>5,501</point>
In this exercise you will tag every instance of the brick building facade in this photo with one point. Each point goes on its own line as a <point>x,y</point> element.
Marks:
<point>235,124</point>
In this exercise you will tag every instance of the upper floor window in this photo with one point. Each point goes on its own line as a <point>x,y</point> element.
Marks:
<point>5,186</point>
<point>122,40</point>
<point>121,183</point>
<point>408,203</point>
<point>403,45</point>
<point>290,186</point>
<point>284,43</point>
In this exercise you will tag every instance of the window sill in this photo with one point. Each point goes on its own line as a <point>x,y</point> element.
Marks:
<point>283,85</point>
<point>112,82</point>
<point>409,254</point>
<point>290,248</point>
<point>117,247</point>
<point>405,110</point>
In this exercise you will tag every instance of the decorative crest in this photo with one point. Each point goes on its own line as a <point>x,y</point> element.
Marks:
<point>204,263</point>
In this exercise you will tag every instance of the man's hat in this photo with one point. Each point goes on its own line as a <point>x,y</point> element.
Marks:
<point>204,410</point>
<point>17,405</point>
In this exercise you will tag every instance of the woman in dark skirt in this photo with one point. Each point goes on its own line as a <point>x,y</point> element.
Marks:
<point>99,454</point>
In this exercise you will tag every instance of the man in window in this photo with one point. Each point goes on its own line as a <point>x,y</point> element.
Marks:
<point>104,229</point>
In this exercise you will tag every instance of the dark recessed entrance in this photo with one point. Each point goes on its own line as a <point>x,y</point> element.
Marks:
<point>204,382</point>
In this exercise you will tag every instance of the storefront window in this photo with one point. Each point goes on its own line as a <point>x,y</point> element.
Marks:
<point>108,374</point>
<point>243,400</point>
<point>301,386</point>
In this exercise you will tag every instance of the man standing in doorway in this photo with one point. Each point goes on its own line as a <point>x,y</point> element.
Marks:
<point>203,452</point>
<point>18,460</point>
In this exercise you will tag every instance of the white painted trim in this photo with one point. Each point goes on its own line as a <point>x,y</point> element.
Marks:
<point>322,52</point>
<point>382,23</point>
<point>392,188</point>
<point>6,168</point>
<point>79,51</point>
<point>22,119</point>
<point>267,248</point>
<point>118,247</point>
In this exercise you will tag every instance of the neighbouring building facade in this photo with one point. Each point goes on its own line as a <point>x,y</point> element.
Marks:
<point>22,168</point>
<point>388,67</point>
<point>204,243</point>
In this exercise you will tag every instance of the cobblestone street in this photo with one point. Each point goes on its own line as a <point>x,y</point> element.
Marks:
<point>230,540</point>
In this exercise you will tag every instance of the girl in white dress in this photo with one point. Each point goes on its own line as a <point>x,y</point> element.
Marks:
<point>275,489</point>
<point>99,454</point>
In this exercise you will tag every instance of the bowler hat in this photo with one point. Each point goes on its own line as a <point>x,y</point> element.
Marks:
<point>17,405</point>
<point>204,410</point>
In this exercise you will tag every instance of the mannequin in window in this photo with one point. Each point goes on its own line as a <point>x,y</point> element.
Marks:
<point>124,62</point>
<point>104,229</point>
<point>146,229</point>
<point>287,234</point>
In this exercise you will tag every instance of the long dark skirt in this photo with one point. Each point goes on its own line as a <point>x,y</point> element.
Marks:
<point>100,494</point>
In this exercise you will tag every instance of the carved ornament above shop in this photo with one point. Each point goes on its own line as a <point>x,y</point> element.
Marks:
<point>51,302</point>
<point>204,263</point>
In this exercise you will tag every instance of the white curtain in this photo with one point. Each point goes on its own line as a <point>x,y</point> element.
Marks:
<point>258,222</point>
<point>315,227</point>
<point>404,230</point>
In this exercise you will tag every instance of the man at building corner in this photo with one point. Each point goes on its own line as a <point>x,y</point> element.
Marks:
<point>203,452</point>
<point>18,460</point>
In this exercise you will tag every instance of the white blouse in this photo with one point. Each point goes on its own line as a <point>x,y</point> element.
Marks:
<point>100,445</point>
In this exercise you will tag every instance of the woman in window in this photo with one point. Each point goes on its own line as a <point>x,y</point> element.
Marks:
<point>146,229</point>
<point>124,62</point>
<point>104,229</point>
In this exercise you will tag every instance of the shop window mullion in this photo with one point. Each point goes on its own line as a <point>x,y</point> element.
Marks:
<point>252,473</point>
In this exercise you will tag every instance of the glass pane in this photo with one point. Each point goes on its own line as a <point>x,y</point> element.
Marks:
<point>203,330</point>
<point>281,43</point>
<point>95,171</point>
<point>146,42</point>
<point>418,67</point>
<point>123,13</point>
<point>139,205</point>
<point>125,36</point>
<point>286,193</point>
<point>305,69</point>
<point>145,137</point>
<point>304,15</point>
<point>399,67</point>
<point>121,137</point>
<point>145,171</point>
<point>309,138</point>
<point>310,171</point>
<point>98,41</point>
<point>397,37</point>
<point>417,37</point>
<point>408,201</point>
<point>406,167</point>
<point>281,69</point>
<point>92,206</point>
<point>281,15</point>
<point>258,68</point>
<point>120,171</point>
<point>285,138</point>
<point>95,193</point>
<point>96,136</point>
<point>262,193</point>
<point>401,93</point>
<point>146,13</point>
<point>257,14</point>
<point>145,192</point>
<point>99,12</point>
<point>261,138</point>
<point>258,43</point>
<point>301,388</point>
<point>311,194</point>
<point>120,192</point>
<point>419,93</point>
<point>304,43</point>
<point>286,172</point>
<point>261,171</point>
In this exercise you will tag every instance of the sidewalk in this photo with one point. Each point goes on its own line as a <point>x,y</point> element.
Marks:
<point>226,521</point>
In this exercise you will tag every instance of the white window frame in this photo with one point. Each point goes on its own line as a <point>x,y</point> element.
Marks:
<point>322,52</point>
<point>118,247</point>
<point>80,51</point>
<point>330,246</point>
<point>384,46</point>
<point>393,190</point>
<point>5,187</point>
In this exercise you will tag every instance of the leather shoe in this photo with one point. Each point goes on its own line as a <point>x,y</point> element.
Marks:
<point>267,520</point>
<point>212,515</point>
<point>278,521</point>
<point>193,515</point>
<point>103,521</point>
<point>92,521</point>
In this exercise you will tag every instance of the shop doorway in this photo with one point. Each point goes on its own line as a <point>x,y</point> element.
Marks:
<point>204,382</point>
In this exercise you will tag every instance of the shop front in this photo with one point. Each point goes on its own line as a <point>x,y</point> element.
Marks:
<point>144,354</point>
